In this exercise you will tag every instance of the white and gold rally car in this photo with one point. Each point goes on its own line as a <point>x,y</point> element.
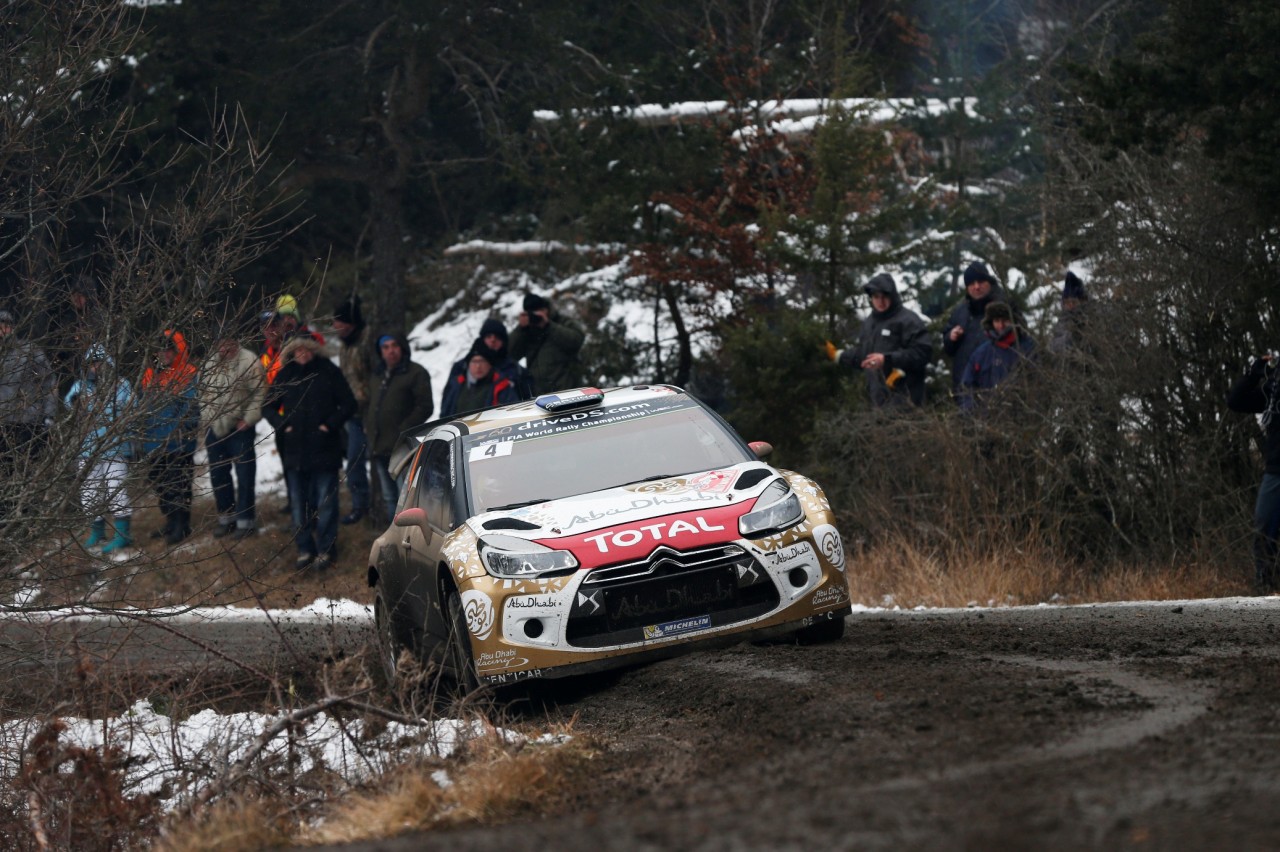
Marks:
<point>591,529</point>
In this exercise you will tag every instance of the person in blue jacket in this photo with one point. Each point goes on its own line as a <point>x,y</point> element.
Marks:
<point>1006,349</point>
<point>99,401</point>
<point>493,336</point>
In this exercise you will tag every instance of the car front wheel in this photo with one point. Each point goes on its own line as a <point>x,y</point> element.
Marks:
<point>459,660</point>
<point>390,647</point>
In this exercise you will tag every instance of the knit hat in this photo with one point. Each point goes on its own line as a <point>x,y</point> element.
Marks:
<point>287,305</point>
<point>534,302</point>
<point>977,272</point>
<point>348,311</point>
<point>479,348</point>
<point>1073,288</point>
<point>995,311</point>
<point>494,326</point>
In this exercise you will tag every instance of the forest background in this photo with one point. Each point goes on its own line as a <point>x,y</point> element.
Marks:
<point>742,168</point>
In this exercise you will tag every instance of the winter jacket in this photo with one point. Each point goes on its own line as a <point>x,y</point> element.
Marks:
<point>231,390</point>
<point>1258,392</point>
<point>399,399</point>
<point>490,391</point>
<point>27,385</point>
<point>551,354</point>
<point>991,365</point>
<point>168,396</point>
<point>968,315</point>
<point>100,406</point>
<point>901,336</point>
<point>356,363</point>
<point>300,401</point>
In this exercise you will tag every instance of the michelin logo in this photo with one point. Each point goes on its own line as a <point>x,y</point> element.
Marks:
<point>675,628</point>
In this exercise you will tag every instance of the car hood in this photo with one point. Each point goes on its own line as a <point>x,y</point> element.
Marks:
<point>713,491</point>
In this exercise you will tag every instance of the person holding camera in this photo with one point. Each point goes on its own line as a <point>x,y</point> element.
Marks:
<point>548,345</point>
<point>1258,392</point>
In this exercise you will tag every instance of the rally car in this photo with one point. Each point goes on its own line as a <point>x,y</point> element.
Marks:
<point>590,529</point>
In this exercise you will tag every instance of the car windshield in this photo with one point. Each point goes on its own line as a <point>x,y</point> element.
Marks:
<point>580,452</point>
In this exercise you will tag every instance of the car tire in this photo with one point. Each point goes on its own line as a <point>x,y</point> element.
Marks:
<point>458,658</point>
<point>390,645</point>
<point>821,632</point>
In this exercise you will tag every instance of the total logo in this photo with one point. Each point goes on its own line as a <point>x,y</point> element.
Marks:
<point>658,531</point>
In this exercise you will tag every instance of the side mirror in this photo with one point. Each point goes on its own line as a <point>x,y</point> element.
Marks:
<point>761,448</point>
<point>415,517</point>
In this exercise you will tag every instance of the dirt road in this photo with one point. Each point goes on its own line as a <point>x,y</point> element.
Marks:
<point>1146,726</point>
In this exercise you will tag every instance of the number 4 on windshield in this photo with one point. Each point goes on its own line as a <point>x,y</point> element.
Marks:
<point>490,451</point>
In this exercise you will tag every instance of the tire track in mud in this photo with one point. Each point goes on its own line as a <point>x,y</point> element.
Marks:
<point>1172,705</point>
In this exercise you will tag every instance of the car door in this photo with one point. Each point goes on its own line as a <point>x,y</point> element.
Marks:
<point>435,489</point>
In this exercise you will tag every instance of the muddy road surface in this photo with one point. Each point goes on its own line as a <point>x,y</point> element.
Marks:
<point>1151,726</point>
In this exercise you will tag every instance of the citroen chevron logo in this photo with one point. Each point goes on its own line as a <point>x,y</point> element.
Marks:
<point>593,599</point>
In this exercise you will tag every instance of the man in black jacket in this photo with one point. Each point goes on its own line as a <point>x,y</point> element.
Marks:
<point>893,348</point>
<point>307,404</point>
<point>963,332</point>
<point>1258,392</point>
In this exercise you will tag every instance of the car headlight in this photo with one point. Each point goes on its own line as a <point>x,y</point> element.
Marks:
<point>506,557</point>
<point>777,509</point>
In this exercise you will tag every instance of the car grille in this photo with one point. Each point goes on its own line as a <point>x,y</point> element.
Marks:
<point>716,586</point>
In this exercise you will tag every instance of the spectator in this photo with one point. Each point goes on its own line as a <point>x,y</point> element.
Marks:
<point>399,399</point>
<point>307,405</point>
<point>493,335</point>
<point>168,395</point>
<point>963,333</point>
<point>353,359</point>
<point>548,346</point>
<point>992,363</point>
<point>893,348</point>
<point>28,403</point>
<point>232,393</point>
<point>279,326</point>
<point>100,400</point>
<point>1258,392</point>
<point>481,387</point>
<point>1068,331</point>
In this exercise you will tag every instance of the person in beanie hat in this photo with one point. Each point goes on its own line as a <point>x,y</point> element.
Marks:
<point>548,345</point>
<point>355,361</point>
<point>1258,392</point>
<point>893,348</point>
<point>482,387</point>
<point>493,335</point>
<point>232,390</point>
<point>1007,346</point>
<point>963,333</point>
<point>167,394</point>
<point>1069,331</point>
<point>399,399</point>
<point>100,401</point>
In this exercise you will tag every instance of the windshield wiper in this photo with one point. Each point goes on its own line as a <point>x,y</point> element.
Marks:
<point>650,479</point>
<point>518,505</point>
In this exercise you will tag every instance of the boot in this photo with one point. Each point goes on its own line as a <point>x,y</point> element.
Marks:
<point>97,533</point>
<point>122,538</point>
<point>181,527</point>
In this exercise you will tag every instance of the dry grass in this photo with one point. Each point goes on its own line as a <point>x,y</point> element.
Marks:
<point>488,781</point>
<point>491,782</point>
<point>900,572</point>
<point>229,826</point>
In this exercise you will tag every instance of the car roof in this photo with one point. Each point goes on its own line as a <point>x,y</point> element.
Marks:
<point>479,422</point>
